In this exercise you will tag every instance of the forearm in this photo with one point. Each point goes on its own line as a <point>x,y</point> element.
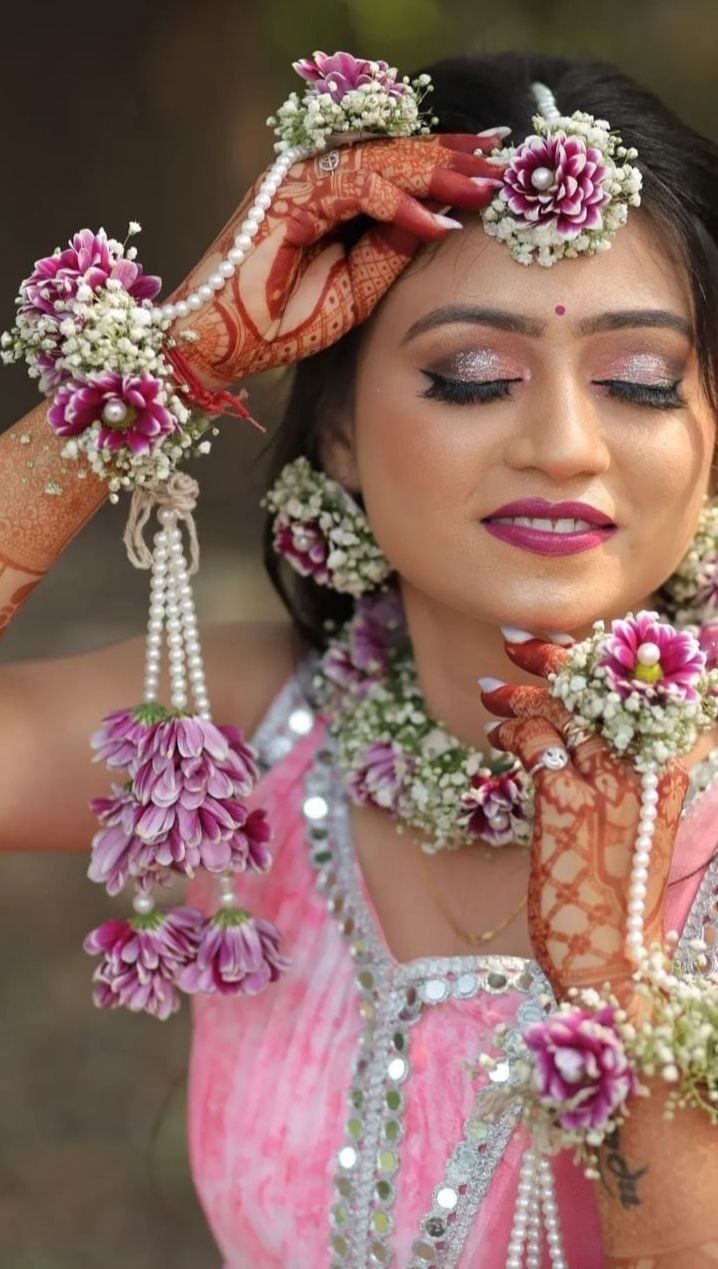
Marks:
<point>44,502</point>
<point>658,1192</point>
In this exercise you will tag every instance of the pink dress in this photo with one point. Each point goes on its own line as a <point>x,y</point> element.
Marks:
<point>335,1119</point>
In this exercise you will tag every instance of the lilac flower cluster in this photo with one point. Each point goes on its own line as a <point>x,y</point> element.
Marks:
<point>180,809</point>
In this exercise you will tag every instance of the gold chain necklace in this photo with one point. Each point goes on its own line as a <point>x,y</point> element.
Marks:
<point>474,938</point>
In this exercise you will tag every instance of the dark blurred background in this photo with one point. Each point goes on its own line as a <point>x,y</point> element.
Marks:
<point>156,112</point>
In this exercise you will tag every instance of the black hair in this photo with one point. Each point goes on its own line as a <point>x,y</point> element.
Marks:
<point>471,93</point>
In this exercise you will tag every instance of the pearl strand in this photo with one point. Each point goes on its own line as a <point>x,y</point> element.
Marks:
<point>528,1181</point>
<point>173,624</point>
<point>155,622</point>
<point>639,866</point>
<point>242,240</point>
<point>551,1218</point>
<point>194,662</point>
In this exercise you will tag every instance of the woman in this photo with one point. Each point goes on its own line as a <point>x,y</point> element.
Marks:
<point>337,1118</point>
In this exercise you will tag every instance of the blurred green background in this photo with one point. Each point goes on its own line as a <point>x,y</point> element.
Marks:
<point>156,112</point>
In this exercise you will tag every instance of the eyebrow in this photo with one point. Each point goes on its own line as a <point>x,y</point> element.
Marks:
<point>520,324</point>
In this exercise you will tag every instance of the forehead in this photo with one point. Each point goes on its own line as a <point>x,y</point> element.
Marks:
<point>637,271</point>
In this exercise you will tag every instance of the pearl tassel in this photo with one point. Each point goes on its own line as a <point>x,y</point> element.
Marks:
<point>536,1198</point>
<point>242,241</point>
<point>172,608</point>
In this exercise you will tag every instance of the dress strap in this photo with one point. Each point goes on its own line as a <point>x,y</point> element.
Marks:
<point>290,716</point>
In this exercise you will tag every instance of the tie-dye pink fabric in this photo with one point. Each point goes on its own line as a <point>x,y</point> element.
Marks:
<point>269,1076</point>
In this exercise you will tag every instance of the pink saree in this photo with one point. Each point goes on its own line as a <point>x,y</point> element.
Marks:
<point>335,1120</point>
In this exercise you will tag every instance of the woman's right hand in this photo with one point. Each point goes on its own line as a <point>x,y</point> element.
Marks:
<point>299,288</point>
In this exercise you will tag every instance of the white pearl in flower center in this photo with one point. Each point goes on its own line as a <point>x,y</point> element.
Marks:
<point>114,412</point>
<point>542,178</point>
<point>648,654</point>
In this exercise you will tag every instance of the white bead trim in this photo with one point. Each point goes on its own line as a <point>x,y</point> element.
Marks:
<point>242,240</point>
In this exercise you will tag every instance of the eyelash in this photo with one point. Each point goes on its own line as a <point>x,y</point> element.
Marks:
<point>465,392</point>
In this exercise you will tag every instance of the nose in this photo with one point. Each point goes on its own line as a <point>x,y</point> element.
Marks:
<point>558,431</point>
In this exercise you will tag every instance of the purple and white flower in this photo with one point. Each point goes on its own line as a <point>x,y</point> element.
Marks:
<point>491,807</point>
<point>128,409</point>
<point>645,654</point>
<point>581,1068</point>
<point>238,955</point>
<point>557,179</point>
<point>383,772</point>
<point>353,95</point>
<point>340,73</point>
<point>141,959</point>
<point>83,267</point>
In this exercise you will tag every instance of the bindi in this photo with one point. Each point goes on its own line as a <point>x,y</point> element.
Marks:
<point>560,309</point>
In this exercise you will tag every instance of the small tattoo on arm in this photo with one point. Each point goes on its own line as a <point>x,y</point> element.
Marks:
<point>627,1180</point>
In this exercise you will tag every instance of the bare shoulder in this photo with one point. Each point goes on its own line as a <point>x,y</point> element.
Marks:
<point>247,663</point>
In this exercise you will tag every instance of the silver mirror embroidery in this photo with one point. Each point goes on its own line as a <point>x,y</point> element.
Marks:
<point>391,998</point>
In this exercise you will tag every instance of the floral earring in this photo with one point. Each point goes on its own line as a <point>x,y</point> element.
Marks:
<point>323,532</point>
<point>691,592</point>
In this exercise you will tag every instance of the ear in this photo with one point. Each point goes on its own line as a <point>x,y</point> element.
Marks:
<point>337,453</point>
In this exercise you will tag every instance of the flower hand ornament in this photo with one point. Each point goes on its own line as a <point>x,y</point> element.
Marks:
<point>301,288</point>
<point>588,820</point>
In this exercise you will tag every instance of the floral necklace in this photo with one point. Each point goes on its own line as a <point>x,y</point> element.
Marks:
<point>394,755</point>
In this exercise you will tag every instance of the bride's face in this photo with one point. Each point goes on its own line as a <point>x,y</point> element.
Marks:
<point>481,381</point>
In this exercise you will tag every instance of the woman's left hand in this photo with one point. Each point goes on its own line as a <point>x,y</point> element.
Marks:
<point>584,833</point>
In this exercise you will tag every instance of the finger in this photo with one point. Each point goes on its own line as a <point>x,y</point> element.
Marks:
<point>526,701</point>
<point>490,139</point>
<point>523,701</point>
<point>528,739</point>
<point>538,656</point>
<point>460,191</point>
<point>375,262</point>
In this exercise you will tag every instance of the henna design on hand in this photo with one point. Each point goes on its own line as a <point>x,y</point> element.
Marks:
<point>626,1189</point>
<point>585,827</point>
<point>45,499</point>
<point>299,289</point>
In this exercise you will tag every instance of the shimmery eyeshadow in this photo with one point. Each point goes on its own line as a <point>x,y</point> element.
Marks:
<point>477,362</point>
<point>560,309</point>
<point>643,367</point>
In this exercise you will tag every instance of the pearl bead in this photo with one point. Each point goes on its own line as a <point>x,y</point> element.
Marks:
<point>226,268</point>
<point>649,797</point>
<point>542,178</point>
<point>114,412</point>
<point>182,308</point>
<point>216,281</point>
<point>205,292</point>
<point>250,227</point>
<point>263,201</point>
<point>236,254</point>
<point>636,907</point>
<point>242,241</point>
<point>143,903</point>
<point>194,302</point>
<point>169,312</point>
<point>648,654</point>
<point>634,924</point>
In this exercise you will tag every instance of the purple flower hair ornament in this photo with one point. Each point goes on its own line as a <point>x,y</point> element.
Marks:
<point>566,188</point>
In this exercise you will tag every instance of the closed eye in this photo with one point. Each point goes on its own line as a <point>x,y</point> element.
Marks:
<point>481,392</point>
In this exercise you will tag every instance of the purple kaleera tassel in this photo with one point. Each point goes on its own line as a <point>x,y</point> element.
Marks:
<point>141,958</point>
<point>178,810</point>
<point>238,955</point>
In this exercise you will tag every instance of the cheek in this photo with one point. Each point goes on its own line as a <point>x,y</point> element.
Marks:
<point>415,472</point>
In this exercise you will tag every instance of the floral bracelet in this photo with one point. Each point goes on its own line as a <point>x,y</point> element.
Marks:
<point>577,1070</point>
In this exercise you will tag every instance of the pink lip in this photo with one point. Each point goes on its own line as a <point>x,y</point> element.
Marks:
<point>542,543</point>
<point>539,507</point>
